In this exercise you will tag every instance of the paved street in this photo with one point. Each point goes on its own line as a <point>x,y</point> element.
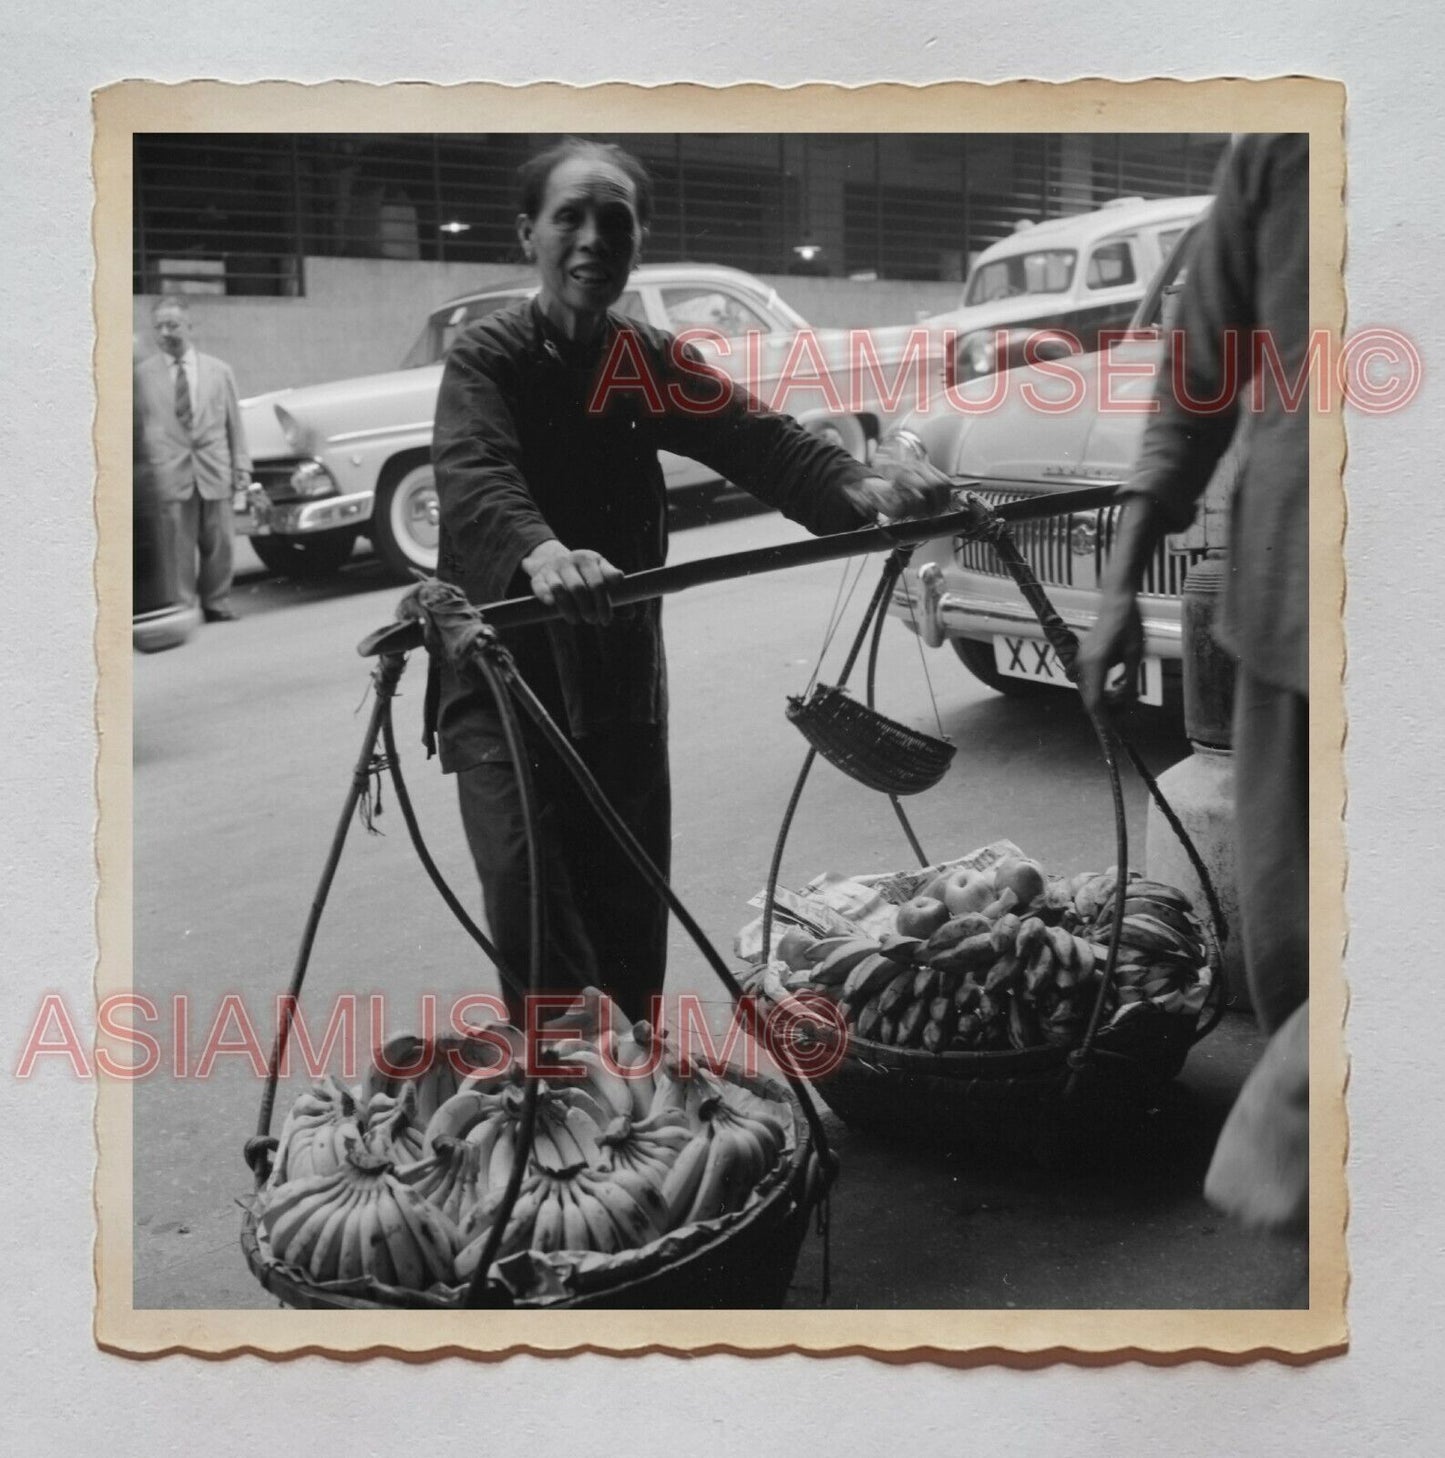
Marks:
<point>244,741</point>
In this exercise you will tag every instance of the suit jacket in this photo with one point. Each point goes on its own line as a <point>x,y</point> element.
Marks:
<point>213,453</point>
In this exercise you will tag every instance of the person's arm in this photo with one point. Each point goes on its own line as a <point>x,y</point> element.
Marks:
<point>712,419</point>
<point>1201,373</point>
<point>485,502</point>
<point>235,433</point>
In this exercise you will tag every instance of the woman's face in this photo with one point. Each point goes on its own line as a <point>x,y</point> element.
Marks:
<point>584,239</point>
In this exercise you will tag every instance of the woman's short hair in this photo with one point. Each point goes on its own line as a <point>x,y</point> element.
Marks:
<point>533,174</point>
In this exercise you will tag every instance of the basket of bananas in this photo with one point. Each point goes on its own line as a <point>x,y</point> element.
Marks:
<point>647,1181</point>
<point>979,996</point>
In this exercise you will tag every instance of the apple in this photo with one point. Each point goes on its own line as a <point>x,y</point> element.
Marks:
<point>966,891</point>
<point>933,891</point>
<point>793,948</point>
<point>1024,878</point>
<point>921,917</point>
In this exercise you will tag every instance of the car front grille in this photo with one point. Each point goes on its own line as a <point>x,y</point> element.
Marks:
<point>274,477</point>
<point>1048,545</point>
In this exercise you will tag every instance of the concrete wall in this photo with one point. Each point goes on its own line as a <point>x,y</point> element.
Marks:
<point>360,316</point>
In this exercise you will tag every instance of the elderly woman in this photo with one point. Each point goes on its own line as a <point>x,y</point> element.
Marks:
<point>548,426</point>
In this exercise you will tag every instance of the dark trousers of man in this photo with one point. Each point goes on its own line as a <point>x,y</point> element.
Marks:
<point>1260,1169</point>
<point>1271,767</point>
<point>605,926</point>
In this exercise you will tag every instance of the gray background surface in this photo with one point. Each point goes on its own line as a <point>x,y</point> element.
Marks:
<point>1384,1397</point>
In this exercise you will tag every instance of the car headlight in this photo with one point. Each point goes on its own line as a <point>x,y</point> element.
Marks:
<point>976,355</point>
<point>311,478</point>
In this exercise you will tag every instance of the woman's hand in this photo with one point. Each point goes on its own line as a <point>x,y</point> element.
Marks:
<point>574,582</point>
<point>902,488</point>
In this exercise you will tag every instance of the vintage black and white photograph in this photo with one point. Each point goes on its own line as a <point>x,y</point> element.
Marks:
<point>732,726</point>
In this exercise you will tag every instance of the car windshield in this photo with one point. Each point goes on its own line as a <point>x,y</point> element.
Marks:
<point>443,326</point>
<point>1047,271</point>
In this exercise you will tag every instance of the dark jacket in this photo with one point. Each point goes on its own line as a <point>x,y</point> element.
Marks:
<point>536,438</point>
<point>1246,299</point>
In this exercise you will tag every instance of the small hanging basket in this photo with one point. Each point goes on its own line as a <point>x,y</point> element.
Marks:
<point>871,748</point>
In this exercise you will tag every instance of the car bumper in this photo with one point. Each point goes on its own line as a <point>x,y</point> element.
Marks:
<point>921,600</point>
<point>298,518</point>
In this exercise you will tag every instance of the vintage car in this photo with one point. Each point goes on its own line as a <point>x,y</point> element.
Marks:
<point>1076,275</point>
<point>955,591</point>
<point>353,458</point>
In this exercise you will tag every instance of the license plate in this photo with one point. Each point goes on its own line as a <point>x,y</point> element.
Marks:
<point>1033,659</point>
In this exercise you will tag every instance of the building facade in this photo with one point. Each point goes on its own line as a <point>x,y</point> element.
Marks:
<point>239,215</point>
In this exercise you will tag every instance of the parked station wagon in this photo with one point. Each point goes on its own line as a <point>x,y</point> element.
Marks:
<point>956,592</point>
<point>1080,274</point>
<point>337,461</point>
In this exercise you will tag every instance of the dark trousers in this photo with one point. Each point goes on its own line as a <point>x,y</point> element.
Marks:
<point>1260,1170</point>
<point>604,926</point>
<point>1271,769</point>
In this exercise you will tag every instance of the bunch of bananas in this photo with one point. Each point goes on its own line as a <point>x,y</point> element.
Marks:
<point>363,1186</point>
<point>646,1146</point>
<point>1010,973</point>
<point>1162,948</point>
<point>720,1166</point>
<point>360,1220</point>
<point>575,1209</point>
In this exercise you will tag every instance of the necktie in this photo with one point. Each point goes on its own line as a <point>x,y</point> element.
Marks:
<point>183,397</point>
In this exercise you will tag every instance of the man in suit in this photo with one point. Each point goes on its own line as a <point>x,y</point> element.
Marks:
<point>193,444</point>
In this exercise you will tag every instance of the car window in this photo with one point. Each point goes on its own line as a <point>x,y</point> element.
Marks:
<point>703,307</point>
<point>1048,271</point>
<point>1111,265</point>
<point>1166,238</point>
<point>443,327</point>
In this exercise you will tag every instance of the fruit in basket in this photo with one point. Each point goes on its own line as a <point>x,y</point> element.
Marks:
<point>393,1128</point>
<point>721,1166</point>
<point>1025,878</point>
<point>833,970</point>
<point>899,990</point>
<point>1006,900</point>
<point>911,1025</point>
<point>639,1053</point>
<point>452,1178</point>
<point>461,1113</point>
<point>967,891</point>
<point>1005,933</point>
<point>921,917</point>
<point>360,1221</point>
<point>901,949</point>
<point>872,974</point>
<point>1023,1024</point>
<point>592,1013</point>
<point>869,1016</point>
<point>650,1144</point>
<point>972,952</point>
<point>794,946</point>
<point>321,1124</point>
<point>437,1068</point>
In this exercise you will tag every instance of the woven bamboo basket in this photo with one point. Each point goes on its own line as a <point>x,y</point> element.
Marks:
<point>748,1263</point>
<point>1026,1102</point>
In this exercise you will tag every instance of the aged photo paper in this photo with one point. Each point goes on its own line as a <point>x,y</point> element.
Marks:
<point>125,1325</point>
